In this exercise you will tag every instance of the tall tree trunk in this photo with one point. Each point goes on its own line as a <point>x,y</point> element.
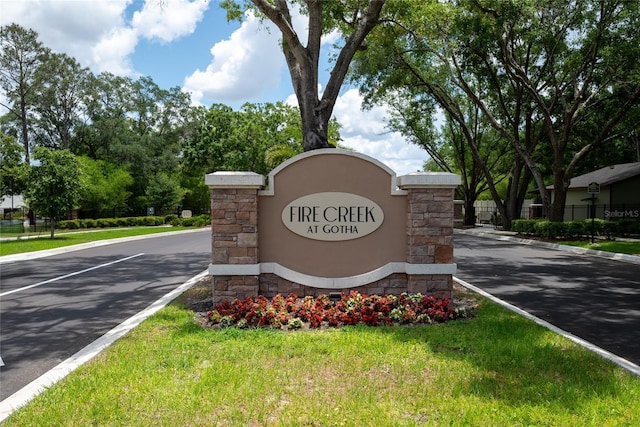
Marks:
<point>469,211</point>
<point>560,187</point>
<point>302,61</point>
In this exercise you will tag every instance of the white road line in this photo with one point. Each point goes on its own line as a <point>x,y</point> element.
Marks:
<point>37,386</point>
<point>55,279</point>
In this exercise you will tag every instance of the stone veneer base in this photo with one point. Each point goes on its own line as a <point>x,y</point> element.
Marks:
<point>226,288</point>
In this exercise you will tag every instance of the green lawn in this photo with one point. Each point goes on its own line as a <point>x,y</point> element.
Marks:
<point>10,247</point>
<point>497,369</point>
<point>629,248</point>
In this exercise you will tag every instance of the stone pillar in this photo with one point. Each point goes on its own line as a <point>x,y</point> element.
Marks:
<point>458,214</point>
<point>234,234</point>
<point>429,230</point>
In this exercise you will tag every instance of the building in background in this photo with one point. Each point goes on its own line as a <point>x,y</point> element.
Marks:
<point>617,195</point>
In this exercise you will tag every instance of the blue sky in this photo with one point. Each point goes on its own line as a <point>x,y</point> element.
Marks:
<point>190,44</point>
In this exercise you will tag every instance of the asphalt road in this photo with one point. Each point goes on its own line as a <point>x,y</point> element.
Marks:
<point>52,307</point>
<point>79,296</point>
<point>595,299</point>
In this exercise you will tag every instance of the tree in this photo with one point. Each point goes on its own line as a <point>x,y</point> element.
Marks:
<point>58,102</point>
<point>11,167</point>
<point>163,193</point>
<point>353,18</point>
<point>105,188</point>
<point>554,79</point>
<point>573,62</point>
<point>107,101</point>
<point>137,125</point>
<point>21,56</point>
<point>406,68</point>
<point>256,138</point>
<point>54,184</point>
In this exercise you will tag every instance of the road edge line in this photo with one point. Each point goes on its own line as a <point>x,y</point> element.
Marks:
<point>57,373</point>
<point>620,361</point>
<point>614,256</point>
<point>27,256</point>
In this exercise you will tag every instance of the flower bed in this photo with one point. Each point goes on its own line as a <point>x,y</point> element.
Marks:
<point>292,312</point>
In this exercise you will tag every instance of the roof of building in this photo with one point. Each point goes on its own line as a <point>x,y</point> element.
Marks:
<point>607,175</point>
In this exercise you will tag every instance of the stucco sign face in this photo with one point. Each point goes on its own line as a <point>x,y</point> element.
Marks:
<point>332,216</point>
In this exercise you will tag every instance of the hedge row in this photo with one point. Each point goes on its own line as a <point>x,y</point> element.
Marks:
<point>76,224</point>
<point>571,229</point>
<point>194,221</point>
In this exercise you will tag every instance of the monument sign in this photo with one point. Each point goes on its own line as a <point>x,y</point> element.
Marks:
<point>331,220</point>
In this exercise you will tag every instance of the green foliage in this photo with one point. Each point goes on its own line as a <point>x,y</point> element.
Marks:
<point>12,170</point>
<point>194,221</point>
<point>54,184</point>
<point>571,229</point>
<point>21,57</point>
<point>163,193</point>
<point>625,227</point>
<point>524,226</point>
<point>105,186</point>
<point>255,138</point>
<point>111,222</point>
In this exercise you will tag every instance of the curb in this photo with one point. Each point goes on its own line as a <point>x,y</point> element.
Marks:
<point>623,363</point>
<point>634,259</point>
<point>50,252</point>
<point>40,384</point>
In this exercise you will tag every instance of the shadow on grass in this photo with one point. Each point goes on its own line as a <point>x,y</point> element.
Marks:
<point>501,356</point>
<point>515,360</point>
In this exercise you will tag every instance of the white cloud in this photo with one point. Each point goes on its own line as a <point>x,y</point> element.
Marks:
<point>248,64</point>
<point>169,20</point>
<point>243,66</point>
<point>113,51</point>
<point>366,132</point>
<point>76,28</point>
<point>96,33</point>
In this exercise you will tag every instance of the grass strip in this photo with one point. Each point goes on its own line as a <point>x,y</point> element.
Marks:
<point>10,247</point>
<point>495,369</point>
<point>629,248</point>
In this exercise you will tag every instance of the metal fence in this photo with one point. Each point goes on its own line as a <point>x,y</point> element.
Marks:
<point>602,211</point>
<point>488,215</point>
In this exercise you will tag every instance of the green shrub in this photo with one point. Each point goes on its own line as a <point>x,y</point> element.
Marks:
<point>196,221</point>
<point>73,224</point>
<point>571,229</point>
<point>541,228</point>
<point>201,222</point>
<point>574,229</point>
<point>609,229</point>
<point>151,220</point>
<point>105,222</point>
<point>187,222</point>
<point>626,227</point>
<point>524,226</point>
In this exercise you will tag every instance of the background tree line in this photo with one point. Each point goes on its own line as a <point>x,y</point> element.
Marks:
<point>126,144</point>
<point>531,93</point>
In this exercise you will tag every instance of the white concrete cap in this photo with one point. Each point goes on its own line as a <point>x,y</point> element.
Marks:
<point>224,179</point>
<point>429,180</point>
